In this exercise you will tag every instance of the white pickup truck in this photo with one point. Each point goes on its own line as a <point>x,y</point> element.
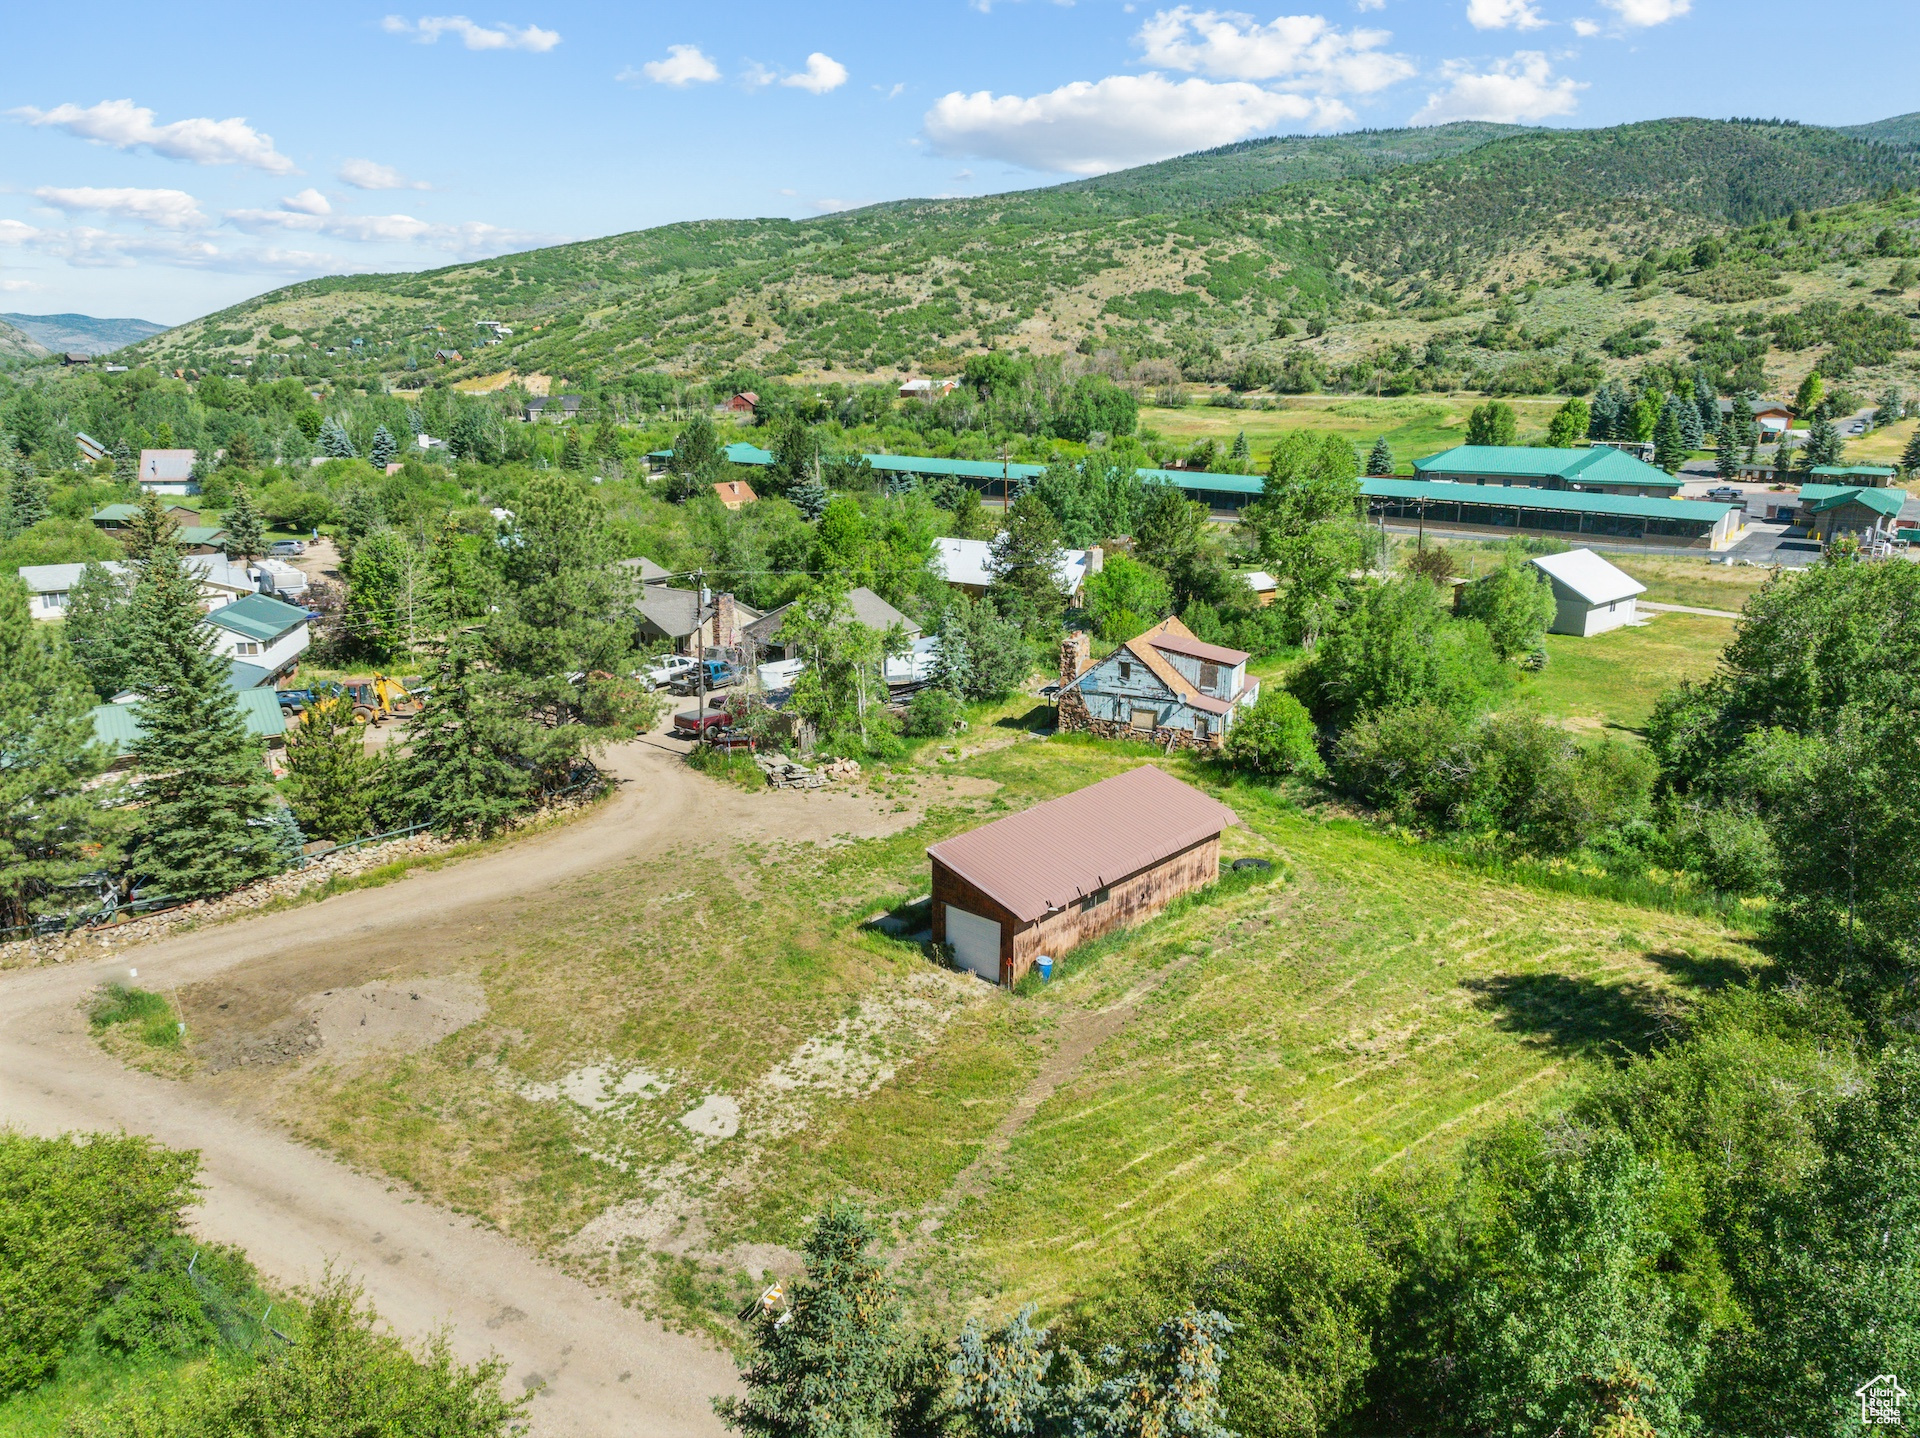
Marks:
<point>661,672</point>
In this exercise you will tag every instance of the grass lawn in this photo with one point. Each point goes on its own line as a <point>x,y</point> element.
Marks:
<point>1613,679</point>
<point>1883,446</point>
<point>1415,426</point>
<point>1371,1006</point>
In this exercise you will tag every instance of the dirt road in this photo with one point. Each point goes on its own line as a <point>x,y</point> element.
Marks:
<point>596,1368</point>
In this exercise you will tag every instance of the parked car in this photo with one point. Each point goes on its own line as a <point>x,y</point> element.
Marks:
<point>700,723</point>
<point>661,672</point>
<point>286,549</point>
<point>1728,494</point>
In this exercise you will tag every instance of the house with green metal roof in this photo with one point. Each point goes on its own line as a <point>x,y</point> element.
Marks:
<point>120,516</point>
<point>1598,470</point>
<point>260,630</point>
<point>1872,476</point>
<point>1828,510</point>
<point>118,725</point>
<point>1489,509</point>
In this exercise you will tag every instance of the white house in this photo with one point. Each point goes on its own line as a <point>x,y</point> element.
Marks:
<point>967,564</point>
<point>49,586</point>
<point>168,471</point>
<point>261,631</point>
<point>1590,596</point>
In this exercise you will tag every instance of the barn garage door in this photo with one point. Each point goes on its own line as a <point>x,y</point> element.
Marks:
<point>976,943</point>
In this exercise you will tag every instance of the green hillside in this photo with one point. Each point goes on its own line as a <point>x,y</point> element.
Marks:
<point>1897,130</point>
<point>1190,261</point>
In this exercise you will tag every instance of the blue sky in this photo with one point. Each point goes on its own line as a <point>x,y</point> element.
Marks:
<point>164,161</point>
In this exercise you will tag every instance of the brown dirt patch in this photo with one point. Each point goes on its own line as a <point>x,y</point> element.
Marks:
<point>394,1017</point>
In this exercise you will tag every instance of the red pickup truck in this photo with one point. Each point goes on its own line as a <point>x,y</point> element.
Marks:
<point>696,724</point>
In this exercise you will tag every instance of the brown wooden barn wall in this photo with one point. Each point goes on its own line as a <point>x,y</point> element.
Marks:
<point>1131,900</point>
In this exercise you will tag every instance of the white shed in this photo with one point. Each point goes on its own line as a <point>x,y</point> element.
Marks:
<point>1590,596</point>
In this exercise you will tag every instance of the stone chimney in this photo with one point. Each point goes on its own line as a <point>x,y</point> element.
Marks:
<point>1096,560</point>
<point>726,622</point>
<point>1074,651</point>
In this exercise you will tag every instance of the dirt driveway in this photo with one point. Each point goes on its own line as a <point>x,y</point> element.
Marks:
<point>597,1368</point>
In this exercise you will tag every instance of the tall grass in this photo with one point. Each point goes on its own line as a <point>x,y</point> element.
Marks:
<point>150,1015</point>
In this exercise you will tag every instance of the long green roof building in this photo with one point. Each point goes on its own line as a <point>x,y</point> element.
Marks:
<point>1599,470</point>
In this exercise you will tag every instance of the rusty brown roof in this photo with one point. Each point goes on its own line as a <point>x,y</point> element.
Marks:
<point>1046,857</point>
<point>1199,649</point>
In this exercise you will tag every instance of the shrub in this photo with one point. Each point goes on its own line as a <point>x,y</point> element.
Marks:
<point>1515,603</point>
<point>932,713</point>
<point>1275,736</point>
<point>1399,647</point>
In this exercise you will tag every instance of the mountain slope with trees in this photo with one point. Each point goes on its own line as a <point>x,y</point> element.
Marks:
<point>1198,255</point>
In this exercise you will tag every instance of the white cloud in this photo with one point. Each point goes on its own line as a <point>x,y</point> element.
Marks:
<point>429,28</point>
<point>833,207</point>
<point>1365,5</point>
<point>757,76</point>
<point>18,232</point>
<point>1088,128</point>
<point>1503,15</point>
<point>308,202</point>
<point>371,175</point>
<point>1642,13</point>
<point>468,237</point>
<point>125,125</point>
<point>1586,29</point>
<point>685,65</point>
<point>163,209</point>
<point>1519,88</point>
<point>823,73</point>
<point>893,91</point>
<point>16,287</point>
<point>1302,52</point>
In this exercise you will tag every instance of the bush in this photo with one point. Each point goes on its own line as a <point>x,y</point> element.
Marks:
<point>1515,603</point>
<point>933,713</point>
<point>1275,736</point>
<point>75,1217</point>
<point>1413,762</point>
<point>1398,647</point>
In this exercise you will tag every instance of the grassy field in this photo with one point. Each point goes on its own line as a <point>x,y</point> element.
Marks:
<point>1612,680</point>
<point>1415,426</point>
<point>1372,1006</point>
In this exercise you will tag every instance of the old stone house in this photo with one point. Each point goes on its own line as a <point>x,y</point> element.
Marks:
<point>1164,686</point>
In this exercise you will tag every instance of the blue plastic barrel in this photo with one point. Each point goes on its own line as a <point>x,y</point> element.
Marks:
<point>1045,964</point>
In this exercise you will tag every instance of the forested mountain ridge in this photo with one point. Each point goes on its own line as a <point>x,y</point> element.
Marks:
<point>82,334</point>
<point>918,284</point>
<point>17,344</point>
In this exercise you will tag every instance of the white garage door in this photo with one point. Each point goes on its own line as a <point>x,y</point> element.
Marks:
<point>976,943</point>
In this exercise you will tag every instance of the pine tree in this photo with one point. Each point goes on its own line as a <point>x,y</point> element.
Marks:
<point>328,772</point>
<point>606,445</point>
<point>246,535</point>
<point>1241,451</point>
<point>1669,445</point>
<point>50,822</point>
<point>1705,402</point>
<point>573,454</point>
<point>1823,442</point>
<point>839,1360</point>
<point>1910,456</point>
<point>27,498</point>
<point>149,529</point>
<point>1692,433</point>
<point>1726,451</point>
<point>1783,461</point>
<point>459,768</point>
<point>203,782</point>
<point>810,499</point>
<point>383,451</point>
<point>96,628</point>
<point>125,467</point>
<point>335,442</point>
<point>1380,458</point>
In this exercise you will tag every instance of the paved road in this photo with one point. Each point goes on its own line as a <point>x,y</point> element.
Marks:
<point>597,1368</point>
<point>1689,609</point>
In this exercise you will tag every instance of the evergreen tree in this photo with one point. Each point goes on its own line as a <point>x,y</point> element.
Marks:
<point>1823,442</point>
<point>606,444</point>
<point>1669,444</point>
<point>838,1360</point>
<point>1025,561</point>
<point>1783,461</point>
<point>1692,433</point>
<point>328,772</point>
<point>697,460</point>
<point>360,515</point>
<point>96,628</point>
<point>50,822</point>
<point>1705,402</point>
<point>150,528</point>
<point>461,769</point>
<point>203,782</point>
<point>1910,456</point>
<point>1242,452</point>
<point>126,468</point>
<point>796,456</point>
<point>1890,407</point>
<point>380,614</point>
<point>384,450</point>
<point>1726,451</point>
<point>1810,396</point>
<point>1746,427</point>
<point>573,454</point>
<point>810,499</point>
<point>27,499</point>
<point>246,534</point>
<point>449,589</point>
<point>335,443</point>
<point>1605,409</point>
<point>1380,458</point>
